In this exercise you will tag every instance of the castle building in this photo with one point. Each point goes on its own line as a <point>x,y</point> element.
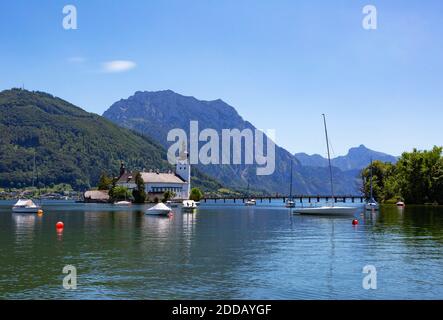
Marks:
<point>156,182</point>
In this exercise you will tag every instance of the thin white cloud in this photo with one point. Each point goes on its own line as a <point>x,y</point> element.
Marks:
<point>118,66</point>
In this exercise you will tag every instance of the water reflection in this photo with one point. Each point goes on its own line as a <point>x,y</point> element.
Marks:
<point>222,252</point>
<point>24,226</point>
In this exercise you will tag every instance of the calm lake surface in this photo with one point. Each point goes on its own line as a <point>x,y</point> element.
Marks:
<point>223,251</point>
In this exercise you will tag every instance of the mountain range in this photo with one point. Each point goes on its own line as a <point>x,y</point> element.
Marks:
<point>356,159</point>
<point>70,145</point>
<point>154,114</point>
<point>74,146</point>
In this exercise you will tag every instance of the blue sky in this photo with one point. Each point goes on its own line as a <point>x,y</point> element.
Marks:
<point>281,64</point>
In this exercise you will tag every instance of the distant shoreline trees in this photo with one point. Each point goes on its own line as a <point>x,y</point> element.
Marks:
<point>417,178</point>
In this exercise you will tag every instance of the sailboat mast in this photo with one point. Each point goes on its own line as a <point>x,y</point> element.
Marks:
<point>33,171</point>
<point>329,156</point>
<point>371,183</point>
<point>290,186</point>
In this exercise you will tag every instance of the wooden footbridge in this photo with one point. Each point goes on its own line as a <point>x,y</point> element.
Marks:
<point>298,198</point>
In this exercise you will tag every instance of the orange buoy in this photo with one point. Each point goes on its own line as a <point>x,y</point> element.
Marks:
<point>354,222</point>
<point>40,212</point>
<point>59,225</point>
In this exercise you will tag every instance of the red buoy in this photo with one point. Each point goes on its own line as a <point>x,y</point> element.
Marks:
<point>59,225</point>
<point>354,222</point>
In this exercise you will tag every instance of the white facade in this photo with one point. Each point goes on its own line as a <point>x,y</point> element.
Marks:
<point>183,170</point>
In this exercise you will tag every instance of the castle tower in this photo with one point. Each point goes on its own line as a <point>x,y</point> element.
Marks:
<point>122,169</point>
<point>183,170</point>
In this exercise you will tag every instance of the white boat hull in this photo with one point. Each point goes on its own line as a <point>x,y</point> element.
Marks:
<point>123,203</point>
<point>290,204</point>
<point>158,212</point>
<point>372,206</point>
<point>25,210</point>
<point>327,211</point>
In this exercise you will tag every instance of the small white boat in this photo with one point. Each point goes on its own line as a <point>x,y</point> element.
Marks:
<point>290,204</point>
<point>400,204</point>
<point>189,206</point>
<point>159,209</point>
<point>25,206</point>
<point>372,205</point>
<point>251,202</point>
<point>123,203</point>
<point>327,211</point>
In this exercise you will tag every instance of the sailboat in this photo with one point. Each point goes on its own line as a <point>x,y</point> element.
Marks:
<point>328,210</point>
<point>290,202</point>
<point>250,201</point>
<point>371,204</point>
<point>27,205</point>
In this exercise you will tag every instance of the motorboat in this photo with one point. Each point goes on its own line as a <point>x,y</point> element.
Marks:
<point>290,203</point>
<point>400,204</point>
<point>327,211</point>
<point>26,206</point>
<point>123,203</point>
<point>159,209</point>
<point>189,206</point>
<point>372,205</point>
<point>250,201</point>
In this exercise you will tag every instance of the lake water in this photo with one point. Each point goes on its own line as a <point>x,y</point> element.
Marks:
<point>220,252</point>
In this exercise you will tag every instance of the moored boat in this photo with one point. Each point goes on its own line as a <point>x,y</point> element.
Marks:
<point>371,205</point>
<point>159,209</point>
<point>290,203</point>
<point>25,206</point>
<point>327,211</point>
<point>123,203</point>
<point>189,206</point>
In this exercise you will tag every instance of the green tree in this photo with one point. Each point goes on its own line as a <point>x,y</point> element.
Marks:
<point>119,193</point>
<point>139,193</point>
<point>416,178</point>
<point>382,187</point>
<point>168,195</point>
<point>105,182</point>
<point>196,194</point>
<point>419,175</point>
